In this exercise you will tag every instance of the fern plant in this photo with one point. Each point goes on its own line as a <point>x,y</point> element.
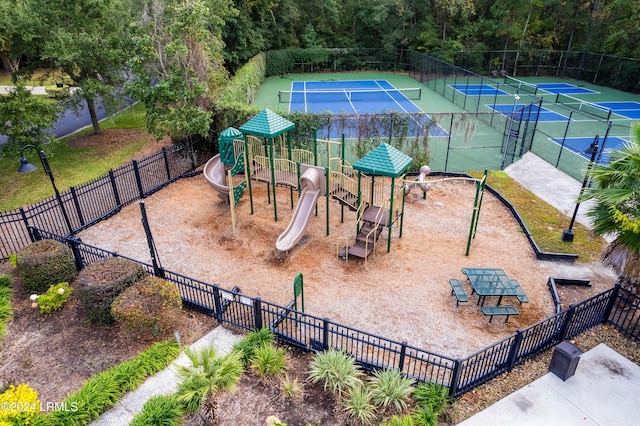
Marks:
<point>390,388</point>
<point>336,370</point>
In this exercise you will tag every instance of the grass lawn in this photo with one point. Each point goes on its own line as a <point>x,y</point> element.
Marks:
<point>71,166</point>
<point>545,222</point>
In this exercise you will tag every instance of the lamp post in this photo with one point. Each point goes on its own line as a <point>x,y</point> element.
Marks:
<point>26,167</point>
<point>567,234</point>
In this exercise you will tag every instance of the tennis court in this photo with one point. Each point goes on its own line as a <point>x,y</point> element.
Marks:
<point>565,88</point>
<point>359,96</point>
<point>478,90</point>
<point>516,112</point>
<point>627,109</point>
<point>582,146</point>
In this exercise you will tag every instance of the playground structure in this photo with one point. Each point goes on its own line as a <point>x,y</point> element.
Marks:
<point>262,149</point>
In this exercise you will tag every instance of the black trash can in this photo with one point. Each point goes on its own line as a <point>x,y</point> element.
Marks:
<point>565,360</point>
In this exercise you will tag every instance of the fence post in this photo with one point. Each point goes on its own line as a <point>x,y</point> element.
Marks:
<point>136,172</point>
<point>74,242</point>
<point>257,313</point>
<point>26,224</point>
<point>76,203</point>
<point>455,378</point>
<point>216,301</point>
<point>611,303</point>
<point>325,334</point>
<point>565,324</point>
<point>403,352</point>
<point>166,162</point>
<point>512,359</point>
<point>116,195</point>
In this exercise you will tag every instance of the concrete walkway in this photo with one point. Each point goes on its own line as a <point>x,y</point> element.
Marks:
<point>165,382</point>
<point>605,390</point>
<point>551,185</point>
<point>36,90</point>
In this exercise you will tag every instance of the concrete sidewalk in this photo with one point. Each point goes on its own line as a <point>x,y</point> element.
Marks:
<point>551,185</point>
<point>605,390</point>
<point>165,382</point>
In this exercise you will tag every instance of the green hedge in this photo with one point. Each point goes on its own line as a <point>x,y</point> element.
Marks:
<point>5,303</point>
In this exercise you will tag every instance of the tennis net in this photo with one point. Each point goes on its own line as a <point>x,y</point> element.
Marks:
<point>521,86</point>
<point>583,106</point>
<point>367,95</point>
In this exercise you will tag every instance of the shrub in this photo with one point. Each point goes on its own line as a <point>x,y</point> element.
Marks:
<point>160,410</point>
<point>45,263</point>
<point>336,370</point>
<point>54,298</point>
<point>248,345</point>
<point>424,416</point>
<point>100,283</point>
<point>22,405</point>
<point>399,421</point>
<point>390,387</point>
<point>209,373</point>
<point>5,303</point>
<point>151,304</point>
<point>432,395</point>
<point>269,361</point>
<point>359,405</point>
<point>291,389</point>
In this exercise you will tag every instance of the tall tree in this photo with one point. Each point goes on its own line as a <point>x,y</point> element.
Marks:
<point>86,40</point>
<point>24,119</point>
<point>178,58</point>
<point>18,33</point>
<point>617,211</point>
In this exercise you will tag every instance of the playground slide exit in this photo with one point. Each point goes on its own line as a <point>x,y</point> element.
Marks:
<point>312,184</point>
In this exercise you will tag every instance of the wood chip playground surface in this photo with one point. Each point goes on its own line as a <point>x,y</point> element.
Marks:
<point>403,295</point>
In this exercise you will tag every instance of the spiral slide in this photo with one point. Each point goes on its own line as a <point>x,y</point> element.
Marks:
<point>216,175</point>
<point>312,183</point>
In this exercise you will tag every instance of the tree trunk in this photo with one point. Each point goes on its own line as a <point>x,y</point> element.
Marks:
<point>94,117</point>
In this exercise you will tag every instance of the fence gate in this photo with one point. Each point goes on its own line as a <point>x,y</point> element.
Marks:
<point>519,132</point>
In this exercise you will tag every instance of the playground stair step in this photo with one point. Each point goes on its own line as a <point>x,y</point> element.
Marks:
<point>359,249</point>
<point>345,198</point>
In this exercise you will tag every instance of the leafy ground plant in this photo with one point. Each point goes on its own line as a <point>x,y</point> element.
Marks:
<point>269,361</point>
<point>5,302</point>
<point>162,410</point>
<point>359,405</point>
<point>249,343</point>
<point>53,299</point>
<point>336,370</point>
<point>209,373</point>
<point>390,388</point>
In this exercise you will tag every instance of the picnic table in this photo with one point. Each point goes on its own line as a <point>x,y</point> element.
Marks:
<point>490,282</point>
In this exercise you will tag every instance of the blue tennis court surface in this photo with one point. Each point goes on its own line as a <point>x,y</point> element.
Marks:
<point>478,89</point>
<point>358,97</point>
<point>349,96</point>
<point>564,88</point>
<point>582,146</point>
<point>532,110</point>
<point>627,109</point>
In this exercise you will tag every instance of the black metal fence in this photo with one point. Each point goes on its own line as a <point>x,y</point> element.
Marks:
<point>616,306</point>
<point>101,197</point>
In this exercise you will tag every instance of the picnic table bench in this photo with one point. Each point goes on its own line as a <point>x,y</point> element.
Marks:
<point>520,294</point>
<point>458,291</point>
<point>504,310</point>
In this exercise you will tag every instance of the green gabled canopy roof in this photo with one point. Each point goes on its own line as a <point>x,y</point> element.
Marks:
<point>385,160</point>
<point>267,124</point>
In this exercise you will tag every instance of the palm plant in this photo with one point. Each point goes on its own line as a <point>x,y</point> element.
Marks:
<point>617,210</point>
<point>209,373</point>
